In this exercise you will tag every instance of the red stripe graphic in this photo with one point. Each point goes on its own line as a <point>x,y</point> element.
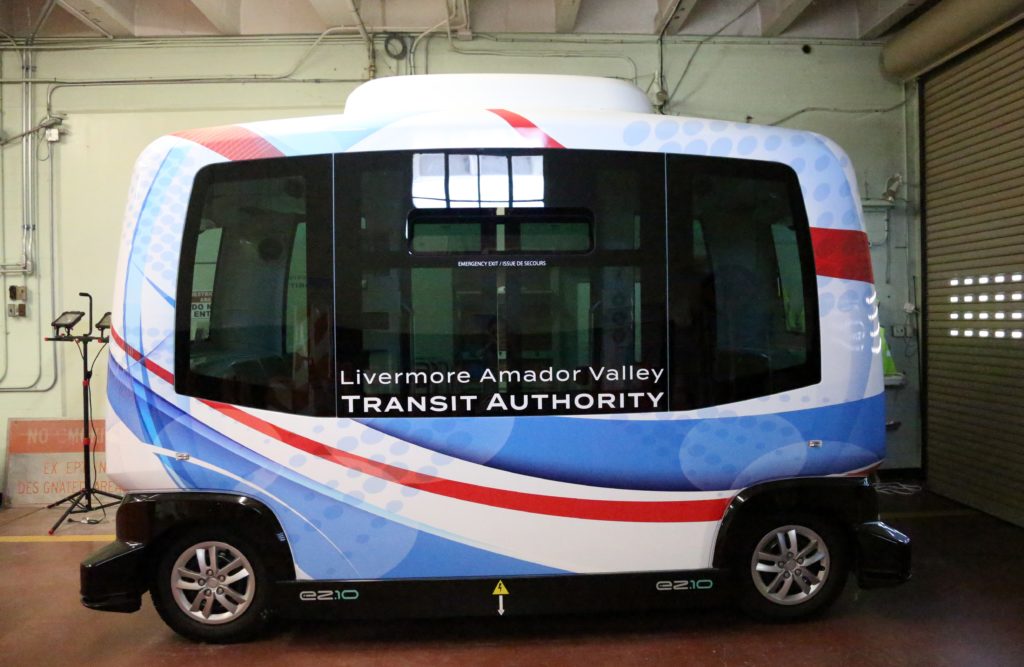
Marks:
<point>232,141</point>
<point>150,365</point>
<point>526,128</point>
<point>575,508</point>
<point>863,472</point>
<point>842,253</point>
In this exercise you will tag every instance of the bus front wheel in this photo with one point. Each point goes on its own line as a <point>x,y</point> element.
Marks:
<point>790,567</point>
<point>212,586</point>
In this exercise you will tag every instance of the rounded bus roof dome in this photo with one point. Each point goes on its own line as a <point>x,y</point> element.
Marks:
<point>437,92</point>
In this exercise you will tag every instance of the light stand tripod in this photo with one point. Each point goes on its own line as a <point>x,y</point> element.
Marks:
<point>82,501</point>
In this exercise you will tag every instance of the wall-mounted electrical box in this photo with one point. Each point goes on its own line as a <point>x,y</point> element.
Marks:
<point>17,293</point>
<point>902,331</point>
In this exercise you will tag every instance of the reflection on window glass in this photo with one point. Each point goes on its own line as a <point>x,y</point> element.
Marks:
<point>437,236</point>
<point>468,231</point>
<point>738,284</point>
<point>207,249</point>
<point>296,322</point>
<point>255,337</point>
<point>528,180</point>
<point>554,236</point>
<point>463,180</point>
<point>503,321</point>
<point>248,329</point>
<point>791,290</point>
<point>525,302</point>
<point>700,249</point>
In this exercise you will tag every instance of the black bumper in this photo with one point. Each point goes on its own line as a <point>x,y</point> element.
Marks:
<point>883,555</point>
<point>113,578</point>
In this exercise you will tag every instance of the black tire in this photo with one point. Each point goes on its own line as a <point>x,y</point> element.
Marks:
<point>239,578</point>
<point>795,583</point>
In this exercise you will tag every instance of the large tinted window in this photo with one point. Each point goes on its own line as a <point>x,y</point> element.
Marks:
<point>495,283</point>
<point>742,304</point>
<point>256,277</point>
<point>500,283</point>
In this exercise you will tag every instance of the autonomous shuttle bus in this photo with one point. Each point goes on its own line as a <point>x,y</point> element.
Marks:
<point>491,345</point>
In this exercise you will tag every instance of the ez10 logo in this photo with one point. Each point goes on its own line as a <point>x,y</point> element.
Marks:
<point>992,306</point>
<point>349,594</point>
<point>685,585</point>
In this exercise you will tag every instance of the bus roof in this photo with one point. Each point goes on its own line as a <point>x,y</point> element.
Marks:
<point>437,92</point>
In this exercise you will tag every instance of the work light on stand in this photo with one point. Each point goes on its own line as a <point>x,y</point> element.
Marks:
<point>88,499</point>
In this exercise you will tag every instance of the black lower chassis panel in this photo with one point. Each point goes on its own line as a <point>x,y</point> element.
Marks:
<point>499,596</point>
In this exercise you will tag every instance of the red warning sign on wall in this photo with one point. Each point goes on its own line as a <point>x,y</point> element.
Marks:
<point>44,460</point>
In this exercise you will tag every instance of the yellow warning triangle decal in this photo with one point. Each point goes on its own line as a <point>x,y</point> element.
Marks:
<point>500,589</point>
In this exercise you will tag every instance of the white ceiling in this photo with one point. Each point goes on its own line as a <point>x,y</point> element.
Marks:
<point>114,19</point>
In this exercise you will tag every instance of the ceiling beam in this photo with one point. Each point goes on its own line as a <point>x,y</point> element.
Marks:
<point>672,15</point>
<point>778,15</point>
<point>876,17</point>
<point>333,12</point>
<point>225,15</point>
<point>43,16</point>
<point>112,17</point>
<point>565,14</point>
<point>82,18</point>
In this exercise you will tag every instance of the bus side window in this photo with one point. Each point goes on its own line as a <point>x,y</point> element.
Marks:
<point>742,297</point>
<point>258,328</point>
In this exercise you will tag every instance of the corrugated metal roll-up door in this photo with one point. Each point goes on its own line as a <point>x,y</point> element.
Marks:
<point>973,147</point>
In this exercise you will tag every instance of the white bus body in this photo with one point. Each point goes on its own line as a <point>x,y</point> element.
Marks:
<point>485,329</point>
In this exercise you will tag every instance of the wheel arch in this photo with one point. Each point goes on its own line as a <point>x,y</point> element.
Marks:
<point>847,501</point>
<point>157,519</point>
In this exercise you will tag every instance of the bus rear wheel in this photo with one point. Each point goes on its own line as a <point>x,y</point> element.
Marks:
<point>212,587</point>
<point>790,567</point>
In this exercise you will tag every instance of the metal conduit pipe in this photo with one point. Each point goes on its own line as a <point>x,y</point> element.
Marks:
<point>3,228</point>
<point>416,43</point>
<point>28,190</point>
<point>134,43</point>
<point>57,84</point>
<point>461,6</point>
<point>24,265</point>
<point>371,66</point>
<point>27,266</point>
<point>60,85</point>
<point>458,9</point>
<point>29,231</point>
<point>32,387</point>
<point>249,78</point>
<point>28,182</point>
<point>634,73</point>
<point>945,30</point>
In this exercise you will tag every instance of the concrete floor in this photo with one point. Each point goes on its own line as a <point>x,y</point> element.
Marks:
<point>964,606</point>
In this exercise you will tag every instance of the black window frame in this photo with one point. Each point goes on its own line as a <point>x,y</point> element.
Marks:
<point>324,250</point>
<point>402,258</point>
<point>809,372</point>
<point>317,171</point>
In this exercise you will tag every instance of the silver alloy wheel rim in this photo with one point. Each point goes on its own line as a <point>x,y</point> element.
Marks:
<point>213,583</point>
<point>790,565</point>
